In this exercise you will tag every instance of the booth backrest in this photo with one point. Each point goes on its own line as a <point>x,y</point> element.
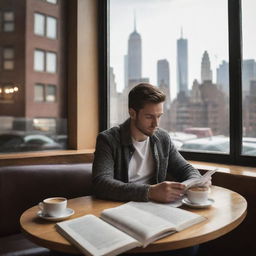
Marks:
<point>22,187</point>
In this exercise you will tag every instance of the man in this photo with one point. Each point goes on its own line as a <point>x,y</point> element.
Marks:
<point>132,161</point>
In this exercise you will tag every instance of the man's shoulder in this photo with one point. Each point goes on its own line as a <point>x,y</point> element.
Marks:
<point>162,134</point>
<point>111,134</point>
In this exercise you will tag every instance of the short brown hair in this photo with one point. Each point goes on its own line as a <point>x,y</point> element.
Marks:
<point>144,93</point>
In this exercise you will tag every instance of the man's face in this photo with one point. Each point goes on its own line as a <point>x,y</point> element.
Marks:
<point>147,119</point>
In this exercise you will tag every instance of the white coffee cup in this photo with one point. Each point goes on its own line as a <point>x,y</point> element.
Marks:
<point>198,195</point>
<point>54,206</point>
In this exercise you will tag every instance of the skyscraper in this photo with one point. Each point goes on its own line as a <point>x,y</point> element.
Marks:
<point>248,74</point>
<point>223,76</point>
<point>134,60</point>
<point>206,72</point>
<point>163,77</point>
<point>182,64</point>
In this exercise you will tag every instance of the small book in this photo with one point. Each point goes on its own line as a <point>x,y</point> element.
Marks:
<point>119,229</point>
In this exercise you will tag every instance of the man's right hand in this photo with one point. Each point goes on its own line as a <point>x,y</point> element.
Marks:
<point>166,192</point>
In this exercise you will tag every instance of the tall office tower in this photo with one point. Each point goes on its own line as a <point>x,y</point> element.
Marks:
<point>163,77</point>
<point>248,74</point>
<point>125,70</point>
<point>134,55</point>
<point>206,72</point>
<point>223,77</point>
<point>182,65</point>
<point>249,112</point>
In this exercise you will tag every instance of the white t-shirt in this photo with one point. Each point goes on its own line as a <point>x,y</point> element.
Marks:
<point>141,166</point>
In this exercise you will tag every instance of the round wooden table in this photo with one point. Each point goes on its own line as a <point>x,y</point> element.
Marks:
<point>227,212</point>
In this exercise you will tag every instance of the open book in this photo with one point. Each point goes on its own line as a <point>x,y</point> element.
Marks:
<point>122,228</point>
<point>199,181</point>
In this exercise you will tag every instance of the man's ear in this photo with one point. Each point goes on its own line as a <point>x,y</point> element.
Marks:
<point>132,113</point>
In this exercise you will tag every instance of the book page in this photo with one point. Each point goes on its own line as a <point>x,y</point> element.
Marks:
<point>180,218</point>
<point>199,181</point>
<point>96,237</point>
<point>142,225</point>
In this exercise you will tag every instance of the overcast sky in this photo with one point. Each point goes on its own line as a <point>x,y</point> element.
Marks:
<point>159,22</point>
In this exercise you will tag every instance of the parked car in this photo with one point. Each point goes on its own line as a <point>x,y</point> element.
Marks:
<point>32,142</point>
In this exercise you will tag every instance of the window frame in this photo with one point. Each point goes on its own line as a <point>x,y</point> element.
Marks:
<point>235,91</point>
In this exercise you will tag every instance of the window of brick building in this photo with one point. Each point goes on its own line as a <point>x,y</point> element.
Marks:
<point>39,24</point>
<point>8,21</point>
<point>51,62</point>
<point>8,58</point>
<point>50,94</point>
<point>45,25</point>
<point>39,93</point>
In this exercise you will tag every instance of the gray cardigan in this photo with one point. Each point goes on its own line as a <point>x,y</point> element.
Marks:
<point>113,152</point>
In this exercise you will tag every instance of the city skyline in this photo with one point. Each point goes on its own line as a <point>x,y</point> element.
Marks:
<point>159,36</point>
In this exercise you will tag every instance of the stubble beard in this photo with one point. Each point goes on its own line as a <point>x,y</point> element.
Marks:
<point>143,131</point>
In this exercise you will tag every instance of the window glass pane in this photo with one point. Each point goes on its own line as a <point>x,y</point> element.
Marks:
<point>8,53</point>
<point>8,16</point>
<point>39,92</point>
<point>39,24</point>
<point>51,93</point>
<point>39,60</point>
<point>8,64</point>
<point>249,77</point>
<point>173,48</point>
<point>52,1</point>
<point>51,27</point>
<point>8,26</point>
<point>51,62</point>
<point>28,122</point>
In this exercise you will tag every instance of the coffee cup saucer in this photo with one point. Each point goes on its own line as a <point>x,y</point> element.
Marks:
<point>208,203</point>
<point>68,212</point>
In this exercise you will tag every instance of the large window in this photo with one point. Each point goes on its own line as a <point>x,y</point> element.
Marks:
<point>30,77</point>
<point>249,77</point>
<point>187,48</point>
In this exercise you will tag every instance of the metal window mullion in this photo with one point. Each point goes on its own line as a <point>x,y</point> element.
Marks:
<point>235,88</point>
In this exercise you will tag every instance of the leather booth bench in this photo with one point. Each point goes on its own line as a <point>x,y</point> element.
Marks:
<point>22,187</point>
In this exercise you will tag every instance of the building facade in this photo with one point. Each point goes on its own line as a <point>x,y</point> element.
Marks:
<point>33,70</point>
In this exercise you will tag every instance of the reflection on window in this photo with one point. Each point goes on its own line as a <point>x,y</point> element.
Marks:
<point>188,64</point>
<point>249,78</point>
<point>8,21</point>
<point>31,116</point>
<point>8,58</point>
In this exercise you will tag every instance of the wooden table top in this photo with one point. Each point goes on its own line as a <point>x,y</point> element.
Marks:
<point>227,212</point>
